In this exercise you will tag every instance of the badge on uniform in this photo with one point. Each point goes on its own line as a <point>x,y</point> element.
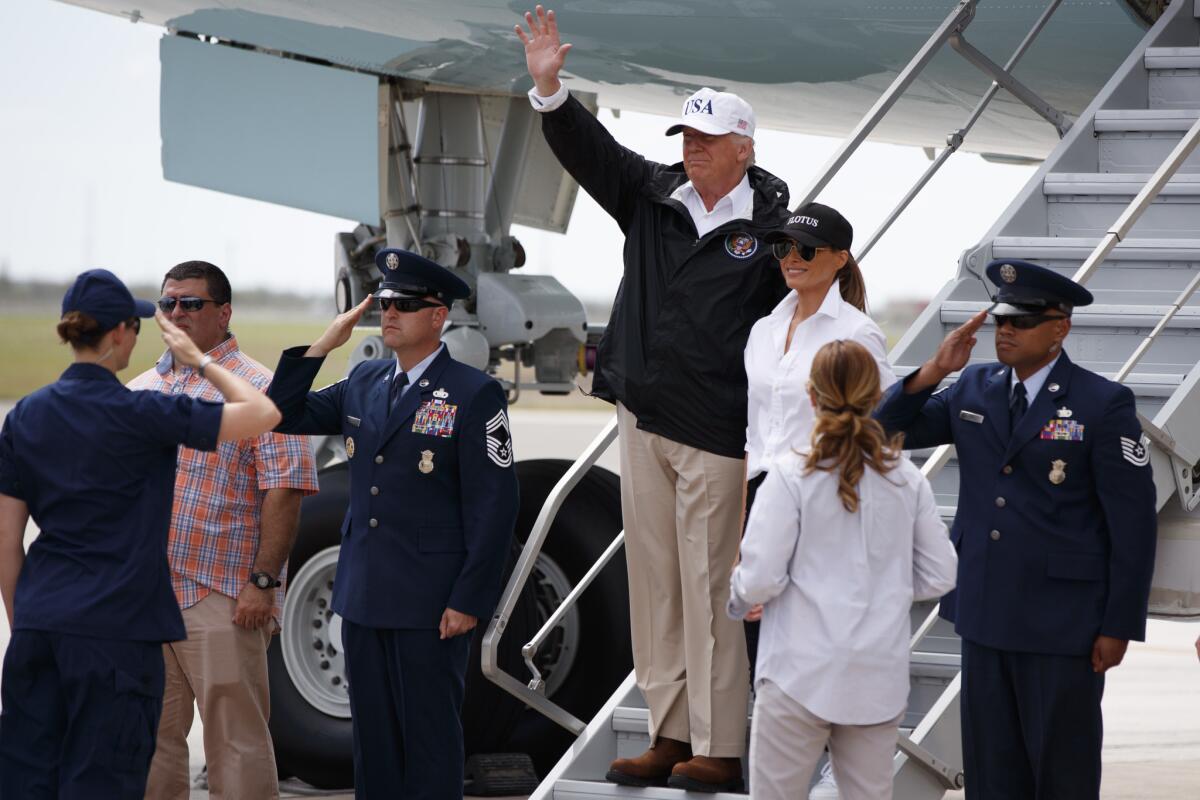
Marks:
<point>970,416</point>
<point>426,464</point>
<point>1136,452</point>
<point>499,440</point>
<point>349,447</point>
<point>1058,471</point>
<point>435,418</point>
<point>1063,430</point>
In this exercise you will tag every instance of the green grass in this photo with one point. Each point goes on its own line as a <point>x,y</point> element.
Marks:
<point>31,355</point>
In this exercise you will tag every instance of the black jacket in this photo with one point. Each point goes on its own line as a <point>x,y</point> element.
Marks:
<point>672,352</point>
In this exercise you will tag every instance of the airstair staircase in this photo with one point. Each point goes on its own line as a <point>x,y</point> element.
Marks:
<point>1063,218</point>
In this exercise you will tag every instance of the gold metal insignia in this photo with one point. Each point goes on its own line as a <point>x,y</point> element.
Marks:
<point>426,465</point>
<point>349,447</point>
<point>1058,471</point>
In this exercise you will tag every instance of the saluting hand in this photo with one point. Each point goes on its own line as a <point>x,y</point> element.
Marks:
<point>338,332</point>
<point>544,54</point>
<point>455,623</point>
<point>952,355</point>
<point>183,349</point>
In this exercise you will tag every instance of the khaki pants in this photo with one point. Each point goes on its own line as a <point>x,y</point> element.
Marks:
<point>222,668</point>
<point>682,508</point>
<point>786,742</point>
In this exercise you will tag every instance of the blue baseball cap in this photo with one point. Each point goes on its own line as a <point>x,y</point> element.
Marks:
<point>407,274</point>
<point>103,297</point>
<point>1024,288</point>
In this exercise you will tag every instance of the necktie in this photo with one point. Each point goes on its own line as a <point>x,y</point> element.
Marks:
<point>1019,404</point>
<point>398,383</point>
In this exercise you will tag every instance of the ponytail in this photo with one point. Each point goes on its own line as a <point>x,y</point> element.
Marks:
<point>844,380</point>
<point>851,284</point>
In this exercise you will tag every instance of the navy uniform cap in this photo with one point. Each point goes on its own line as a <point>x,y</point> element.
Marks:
<point>105,298</point>
<point>407,274</point>
<point>1024,288</point>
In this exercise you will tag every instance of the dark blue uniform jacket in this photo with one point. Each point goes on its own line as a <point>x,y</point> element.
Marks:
<point>416,539</point>
<point>1043,566</point>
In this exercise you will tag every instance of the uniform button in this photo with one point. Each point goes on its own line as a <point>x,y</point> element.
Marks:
<point>378,459</point>
<point>1000,502</point>
<point>995,536</point>
<point>374,490</point>
<point>1007,469</point>
<point>374,523</point>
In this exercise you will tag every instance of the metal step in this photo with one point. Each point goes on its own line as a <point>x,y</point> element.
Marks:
<point>1086,203</point>
<point>1138,140</point>
<point>1174,77</point>
<point>587,790</point>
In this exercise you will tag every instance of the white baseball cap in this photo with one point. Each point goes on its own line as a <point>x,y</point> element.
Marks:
<point>716,113</point>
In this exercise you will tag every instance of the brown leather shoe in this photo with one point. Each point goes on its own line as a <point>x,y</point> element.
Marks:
<point>707,774</point>
<point>653,767</point>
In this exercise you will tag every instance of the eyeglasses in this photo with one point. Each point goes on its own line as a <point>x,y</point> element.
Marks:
<point>1027,321</point>
<point>134,325</point>
<point>806,252</point>
<point>167,304</point>
<point>406,305</point>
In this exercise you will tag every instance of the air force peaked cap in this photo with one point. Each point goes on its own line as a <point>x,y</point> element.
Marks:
<point>105,298</point>
<point>407,274</point>
<point>1023,288</point>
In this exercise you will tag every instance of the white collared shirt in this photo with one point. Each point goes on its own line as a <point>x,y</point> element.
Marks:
<point>738,204</point>
<point>1033,384</point>
<point>416,372</point>
<point>837,587</point>
<point>779,413</point>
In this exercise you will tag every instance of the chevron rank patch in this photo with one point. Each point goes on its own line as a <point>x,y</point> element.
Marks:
<point>499,440</point>
<point>1136,452</point>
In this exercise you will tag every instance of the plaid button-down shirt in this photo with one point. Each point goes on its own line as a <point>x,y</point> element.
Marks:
<point>217,509</point>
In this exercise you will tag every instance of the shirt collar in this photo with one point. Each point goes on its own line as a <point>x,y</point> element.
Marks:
<point>166,361</point>
<point>84,371</point>
<point>416,372</point>
<point>831,306</point>
<point>740,199</point>
<point>1033,384</point>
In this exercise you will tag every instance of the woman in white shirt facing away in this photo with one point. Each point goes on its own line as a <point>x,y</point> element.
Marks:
<point>842,539</point>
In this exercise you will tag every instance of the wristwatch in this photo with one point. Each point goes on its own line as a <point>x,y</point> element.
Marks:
<point>265,580</point>
<point>205,360</point>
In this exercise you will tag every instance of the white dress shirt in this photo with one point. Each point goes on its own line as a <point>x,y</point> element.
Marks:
<point>1033,384</point>
<point>779,414</point>
<point>417,371</point>
<point>738,204</point>
<point>837,586</point>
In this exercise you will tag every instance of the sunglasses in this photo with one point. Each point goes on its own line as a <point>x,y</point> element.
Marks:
<point>806,252</point>
<point>167,304</point>
<point>406,305</point>
<point>1026,322</point>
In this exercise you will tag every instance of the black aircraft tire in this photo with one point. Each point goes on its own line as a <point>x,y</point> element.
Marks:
<point>313,746</point>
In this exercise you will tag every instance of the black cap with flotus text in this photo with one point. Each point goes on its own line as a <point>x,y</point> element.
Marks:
<point>815,225</point>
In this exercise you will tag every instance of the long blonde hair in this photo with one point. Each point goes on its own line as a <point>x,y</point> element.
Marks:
<point>844,381</point>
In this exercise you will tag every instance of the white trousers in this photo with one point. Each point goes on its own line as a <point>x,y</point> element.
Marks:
<point>786,742</point>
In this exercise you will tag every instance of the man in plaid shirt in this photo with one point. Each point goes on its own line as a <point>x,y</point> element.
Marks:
<point>233,523</point>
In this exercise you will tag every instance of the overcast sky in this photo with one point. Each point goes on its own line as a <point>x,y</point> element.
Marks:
<point>81,183</point>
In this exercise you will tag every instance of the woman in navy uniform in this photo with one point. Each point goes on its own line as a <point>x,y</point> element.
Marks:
<point>433,503</point>
<point>1055,532</point>
<point>90,606</point>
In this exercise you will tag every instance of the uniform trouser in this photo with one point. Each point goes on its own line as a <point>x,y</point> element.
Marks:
<point>221,668</point>
<point>1031,725</point>
<point>787,740</point>
<point>682,509</point>
<point>406,693</point>
<point>79,716</point>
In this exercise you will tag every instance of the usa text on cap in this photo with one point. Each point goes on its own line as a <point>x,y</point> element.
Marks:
<point>407,274</point>
<point>815,225</point>
<point>105,298</point>
<point>716,113</point>
<point>1024,288</point>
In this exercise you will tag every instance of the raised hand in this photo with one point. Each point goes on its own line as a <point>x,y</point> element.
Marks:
<point>182,348</point>
<point>544,54</point>
<point>338,332</point>
<point>955,350</point>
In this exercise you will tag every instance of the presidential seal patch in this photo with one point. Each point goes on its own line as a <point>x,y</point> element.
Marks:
<point>1136,452</point>
<point>741,245</point>
<point>499,440</point>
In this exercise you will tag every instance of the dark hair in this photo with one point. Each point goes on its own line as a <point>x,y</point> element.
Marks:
<point>844,379</point>
<point>80,330</point>
<point>218,285</point>
<point>851,284</point>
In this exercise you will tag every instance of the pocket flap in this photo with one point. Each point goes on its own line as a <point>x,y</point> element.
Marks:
<point>440,539</point>
<point>1076,566</point>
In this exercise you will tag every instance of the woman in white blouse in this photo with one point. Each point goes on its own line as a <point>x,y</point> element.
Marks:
<point>842,539</point>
